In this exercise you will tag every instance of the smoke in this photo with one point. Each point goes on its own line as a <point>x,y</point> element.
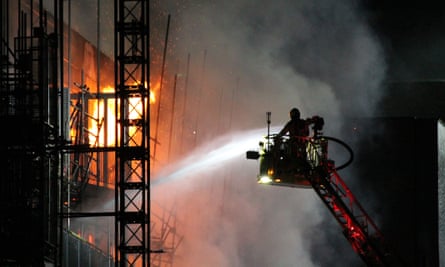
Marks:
<point>225,217</point>
<point>318,56</point>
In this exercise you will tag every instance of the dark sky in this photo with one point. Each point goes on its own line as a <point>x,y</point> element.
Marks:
<point>413,36</point>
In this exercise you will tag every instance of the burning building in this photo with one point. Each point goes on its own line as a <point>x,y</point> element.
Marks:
<point>74,186</point>
<point>71,137</point>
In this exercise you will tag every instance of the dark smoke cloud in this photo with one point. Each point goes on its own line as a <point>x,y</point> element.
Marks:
<point>315,55</point>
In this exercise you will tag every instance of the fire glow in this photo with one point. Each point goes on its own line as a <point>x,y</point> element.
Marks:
<point>152,92</point>
<point>104,112</point>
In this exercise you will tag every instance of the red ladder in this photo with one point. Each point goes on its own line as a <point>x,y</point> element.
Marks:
<point>358,228</point>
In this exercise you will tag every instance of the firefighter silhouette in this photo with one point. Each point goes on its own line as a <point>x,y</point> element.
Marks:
<point>291,153</point>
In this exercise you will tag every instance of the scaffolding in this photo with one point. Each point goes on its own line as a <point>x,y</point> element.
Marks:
<point>132,133</point>
<point>30,173</point>
<point>56,158</point>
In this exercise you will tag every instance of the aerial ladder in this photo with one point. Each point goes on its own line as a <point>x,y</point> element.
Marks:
<point>302,162</point>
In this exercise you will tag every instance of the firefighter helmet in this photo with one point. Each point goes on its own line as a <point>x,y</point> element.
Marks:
<point>294,113</point>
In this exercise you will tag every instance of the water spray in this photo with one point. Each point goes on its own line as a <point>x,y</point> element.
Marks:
<point>209,156</point>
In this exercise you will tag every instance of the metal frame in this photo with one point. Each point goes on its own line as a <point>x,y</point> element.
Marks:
<point>29,110</point>
<point>132,133</point>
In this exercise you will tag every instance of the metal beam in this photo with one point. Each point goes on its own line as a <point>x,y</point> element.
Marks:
<point>132,139</point>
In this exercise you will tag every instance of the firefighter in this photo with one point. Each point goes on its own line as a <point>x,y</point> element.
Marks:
<point>296,126</point>
<point>298,131</point>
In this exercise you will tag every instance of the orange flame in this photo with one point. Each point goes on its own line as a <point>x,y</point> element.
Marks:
<point>154,88</point>
<point>152,97</point>
<point>98,108</point>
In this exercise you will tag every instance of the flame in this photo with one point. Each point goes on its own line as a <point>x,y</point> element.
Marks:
<point>152,97</point>
<point>154,88</point>
<point>107,137</point>
<point>102,133</point>
<point>108,89</point>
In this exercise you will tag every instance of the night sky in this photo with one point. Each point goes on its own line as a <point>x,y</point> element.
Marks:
<point>413,36</point>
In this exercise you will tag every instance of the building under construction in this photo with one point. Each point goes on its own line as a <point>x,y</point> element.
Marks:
<point>75,127</point>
